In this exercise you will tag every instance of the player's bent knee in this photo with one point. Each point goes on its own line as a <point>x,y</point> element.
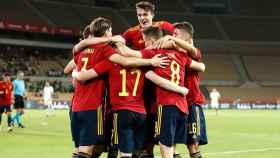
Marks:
<point>85,149</point>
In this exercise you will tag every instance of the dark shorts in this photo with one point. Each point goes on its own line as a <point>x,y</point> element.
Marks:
<point>130,130</point>
<point>87,127</point>
<point>196,126</point>
<point>171,125</point>
<point>5,109</point>
<point>150,129</point>
<point>19,102</point>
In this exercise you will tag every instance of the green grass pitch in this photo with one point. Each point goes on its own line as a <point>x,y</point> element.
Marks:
<point>231,134</point>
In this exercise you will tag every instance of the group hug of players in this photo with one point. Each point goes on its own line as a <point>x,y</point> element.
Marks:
<point>137,90</point>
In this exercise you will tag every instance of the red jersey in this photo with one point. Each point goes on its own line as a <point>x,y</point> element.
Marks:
<point>192,81</point>
<point>2,93</point>
<point>8,94</point>
<point>134,36</point>
<point>126,86</point>
<point>89,95</point>
<point>175,72</point>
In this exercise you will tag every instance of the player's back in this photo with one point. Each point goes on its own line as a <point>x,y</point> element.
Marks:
<point>89,94</point>
<point>174,72</point>
<point>126,86</point>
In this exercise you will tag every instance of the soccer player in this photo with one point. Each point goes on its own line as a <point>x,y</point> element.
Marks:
<point>133,36</point>
<point>183,37</point>
<point>215,96</point>
<point>145,12</point>
<point>19,95</point>
<point>173,108</point>
<point>6,97</point>
<point>47,97</point>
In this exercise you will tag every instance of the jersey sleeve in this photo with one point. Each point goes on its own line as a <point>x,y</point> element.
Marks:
<point>103,67</point>
<point>126,36</point>
<point>167,27</point>
<point>187,61</point>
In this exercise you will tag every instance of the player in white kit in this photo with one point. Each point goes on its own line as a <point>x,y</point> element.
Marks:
<point>47,96</point>
<point>215,96</point>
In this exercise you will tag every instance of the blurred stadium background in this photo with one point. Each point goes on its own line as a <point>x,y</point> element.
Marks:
<point>239,41</point>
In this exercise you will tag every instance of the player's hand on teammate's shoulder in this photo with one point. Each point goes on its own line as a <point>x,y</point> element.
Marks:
<point>160,61</point>
<point>162,42</point>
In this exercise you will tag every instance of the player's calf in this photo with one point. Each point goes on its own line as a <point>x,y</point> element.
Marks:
<point>97,151</point>
<point>166,151</point>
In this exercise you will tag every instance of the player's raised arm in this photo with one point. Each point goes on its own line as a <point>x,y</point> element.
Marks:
<point>166,84</point>
<point>198,66</point>
<point>156,61</point>
<point>99,69</point>
<point>128,52</point>
<point>168,42</point>
<point>69,67</point>
<point>84,75</point>
<point>189,47</point>
<point>96,40</point>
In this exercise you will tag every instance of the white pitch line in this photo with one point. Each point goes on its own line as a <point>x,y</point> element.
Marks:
<point>239,151</point>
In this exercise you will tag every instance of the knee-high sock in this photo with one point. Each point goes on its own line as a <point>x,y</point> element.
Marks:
<point>17,118</point>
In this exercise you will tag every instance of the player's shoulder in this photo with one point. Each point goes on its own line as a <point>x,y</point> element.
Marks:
<point>133,28</point>
<point>161,23</point>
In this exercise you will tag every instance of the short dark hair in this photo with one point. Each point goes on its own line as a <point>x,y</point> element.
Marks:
<point>186,26</point>
<point>153,31</point>
<point>86,32</point>
<point>6,74</point>
<point>99,26</point>
<point>146,6</point>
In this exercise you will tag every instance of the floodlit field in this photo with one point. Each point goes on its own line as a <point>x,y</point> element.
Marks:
<point>232,134</point>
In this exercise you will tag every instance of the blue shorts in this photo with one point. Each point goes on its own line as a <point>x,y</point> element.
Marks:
<point>87,127</point>
<point>196,126</point>
<point>171,125</point>
<point>130,130</point>
<point>5,109</point>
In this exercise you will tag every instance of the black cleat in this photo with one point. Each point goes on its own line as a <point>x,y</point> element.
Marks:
<point>21,126</point>
<point>177,156</point>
